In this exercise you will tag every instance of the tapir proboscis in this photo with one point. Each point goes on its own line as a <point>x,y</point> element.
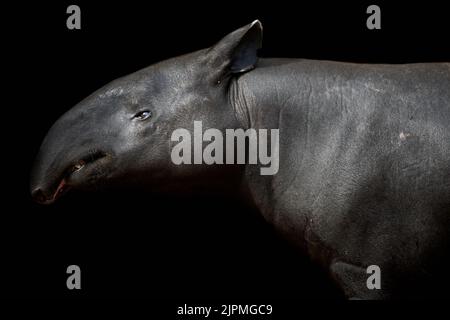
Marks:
<point>364,150</point>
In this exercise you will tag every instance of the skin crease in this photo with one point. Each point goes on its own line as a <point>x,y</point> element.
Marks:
<point>364,175</point>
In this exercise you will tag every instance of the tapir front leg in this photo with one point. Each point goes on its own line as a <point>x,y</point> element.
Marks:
<point>352,280</point>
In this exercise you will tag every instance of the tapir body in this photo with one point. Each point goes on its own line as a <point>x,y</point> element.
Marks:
<point>364,150</point>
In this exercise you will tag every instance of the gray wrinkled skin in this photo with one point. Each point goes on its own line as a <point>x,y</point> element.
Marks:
<point>364,172</point>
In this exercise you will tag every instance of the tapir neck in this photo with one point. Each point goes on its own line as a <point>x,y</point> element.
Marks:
<point>259,96</point>
<point>275,95</point>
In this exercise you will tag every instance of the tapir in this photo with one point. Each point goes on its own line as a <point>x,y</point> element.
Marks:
<point>363,185</point>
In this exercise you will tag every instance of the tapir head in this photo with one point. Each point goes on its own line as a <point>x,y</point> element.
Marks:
<point>121,134</point>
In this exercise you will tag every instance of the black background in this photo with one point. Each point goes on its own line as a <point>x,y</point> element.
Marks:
<point>138,245</point>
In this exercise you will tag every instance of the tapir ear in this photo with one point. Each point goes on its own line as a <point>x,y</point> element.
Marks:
<point>237,52</point>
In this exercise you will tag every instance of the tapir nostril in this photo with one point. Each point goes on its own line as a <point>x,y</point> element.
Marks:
<point>38,196</point>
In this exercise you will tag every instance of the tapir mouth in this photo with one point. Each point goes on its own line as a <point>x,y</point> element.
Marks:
<point>63,183</point>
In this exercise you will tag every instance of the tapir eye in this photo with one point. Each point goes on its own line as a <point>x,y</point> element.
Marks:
<point>78,166</point>
<point>142,115</point>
